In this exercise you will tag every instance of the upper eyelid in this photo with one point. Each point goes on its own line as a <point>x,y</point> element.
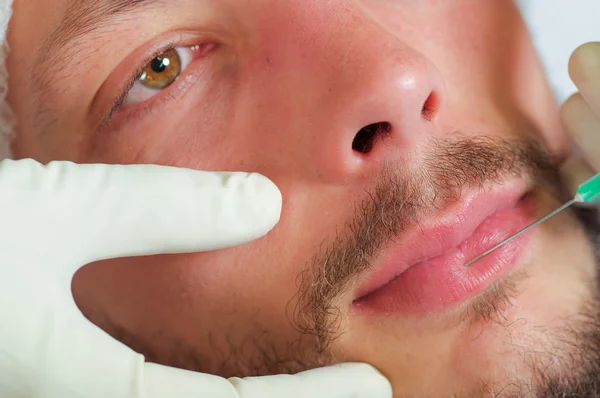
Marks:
<point>133,77</point>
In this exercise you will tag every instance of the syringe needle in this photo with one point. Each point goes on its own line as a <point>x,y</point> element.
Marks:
<point>535,224</point>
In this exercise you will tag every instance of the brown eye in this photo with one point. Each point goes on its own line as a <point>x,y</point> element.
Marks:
<point>162,71</point>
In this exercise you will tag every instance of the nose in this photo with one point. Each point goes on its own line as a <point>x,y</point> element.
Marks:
<point>382,103</point>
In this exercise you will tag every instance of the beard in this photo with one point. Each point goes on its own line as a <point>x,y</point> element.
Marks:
<point>581,367</point>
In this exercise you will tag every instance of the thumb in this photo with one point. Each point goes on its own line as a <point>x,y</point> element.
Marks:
<point>96,212</point>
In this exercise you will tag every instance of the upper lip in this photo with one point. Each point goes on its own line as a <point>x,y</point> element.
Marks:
<point>438,235</point>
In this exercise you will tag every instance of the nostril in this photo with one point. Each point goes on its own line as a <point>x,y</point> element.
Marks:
<point>365,138</point>
<point>430,107</point>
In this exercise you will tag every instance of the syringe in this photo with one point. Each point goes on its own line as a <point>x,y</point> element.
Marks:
<point>587,192</point>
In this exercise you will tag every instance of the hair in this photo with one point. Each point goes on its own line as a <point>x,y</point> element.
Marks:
<point>7,117</point>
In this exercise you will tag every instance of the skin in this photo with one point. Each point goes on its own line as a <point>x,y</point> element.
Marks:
<point>284,94</point>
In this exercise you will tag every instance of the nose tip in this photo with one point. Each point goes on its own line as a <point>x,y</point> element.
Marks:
<point>408,96</point>
<point>382,111</point>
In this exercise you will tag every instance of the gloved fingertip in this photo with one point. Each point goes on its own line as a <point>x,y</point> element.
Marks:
<point>584,64</point>
<point>249,207</point>
<point>269,200</point>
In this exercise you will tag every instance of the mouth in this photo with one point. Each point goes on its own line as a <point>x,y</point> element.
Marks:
<point>425,272</point>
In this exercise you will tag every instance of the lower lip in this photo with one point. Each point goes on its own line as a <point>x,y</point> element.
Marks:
<point>445,281</point>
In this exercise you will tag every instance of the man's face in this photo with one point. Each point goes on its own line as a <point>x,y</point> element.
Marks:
<point>406,137</point>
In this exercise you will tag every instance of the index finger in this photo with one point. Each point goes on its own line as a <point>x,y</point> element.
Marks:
<point>96,212</point>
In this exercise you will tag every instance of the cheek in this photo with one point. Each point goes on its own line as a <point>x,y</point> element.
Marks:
<point>266,275</point>
<point>234,290</point>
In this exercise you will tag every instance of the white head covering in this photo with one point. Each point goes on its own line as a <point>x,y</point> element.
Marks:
<point>6,116</point>
<point>554,35</point>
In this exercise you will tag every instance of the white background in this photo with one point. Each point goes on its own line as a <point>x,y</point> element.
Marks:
<point>558,27</point>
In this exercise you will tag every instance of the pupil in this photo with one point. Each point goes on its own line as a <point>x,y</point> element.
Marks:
<point>158,65</point>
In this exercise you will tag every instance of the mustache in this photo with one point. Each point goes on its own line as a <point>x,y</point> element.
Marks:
<point>399,197</point>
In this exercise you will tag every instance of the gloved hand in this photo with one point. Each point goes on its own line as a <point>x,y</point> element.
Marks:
<point>56,218</point>
<point>581,114</point>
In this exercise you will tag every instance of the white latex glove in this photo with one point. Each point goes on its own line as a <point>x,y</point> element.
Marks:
<point>581,114</point>
<point>57,218</point>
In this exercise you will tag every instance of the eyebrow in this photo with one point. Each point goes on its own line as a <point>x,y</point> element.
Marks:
<point>84,16</point>
<point>80,19</point>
